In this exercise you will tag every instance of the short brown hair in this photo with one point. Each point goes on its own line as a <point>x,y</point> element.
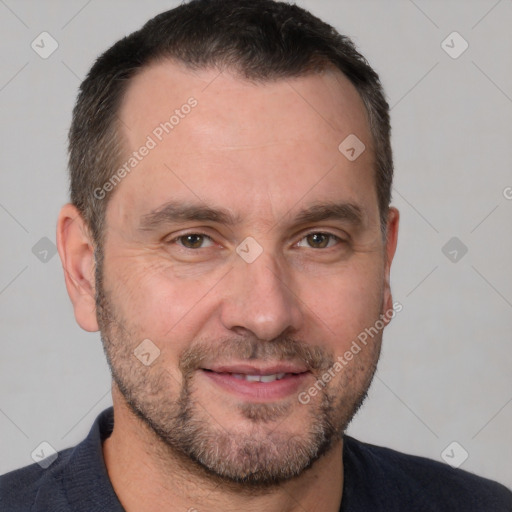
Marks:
<point>262,40</point>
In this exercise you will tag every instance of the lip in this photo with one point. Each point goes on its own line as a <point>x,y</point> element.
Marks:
<point>249,369</point>
<point>227,378</point>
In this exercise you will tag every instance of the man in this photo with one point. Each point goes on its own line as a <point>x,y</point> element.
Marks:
<point>231,237</point>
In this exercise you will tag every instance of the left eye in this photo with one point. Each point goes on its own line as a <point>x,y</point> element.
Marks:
<point>320,240</point>
<point>193,240</point>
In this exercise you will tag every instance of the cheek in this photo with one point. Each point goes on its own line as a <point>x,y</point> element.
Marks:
<point>346,303</point>
<point>157,301</point>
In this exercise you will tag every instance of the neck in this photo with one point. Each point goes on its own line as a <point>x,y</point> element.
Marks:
<point>145,481</point>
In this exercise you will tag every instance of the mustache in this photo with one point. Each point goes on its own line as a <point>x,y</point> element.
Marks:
<point>315,357</point>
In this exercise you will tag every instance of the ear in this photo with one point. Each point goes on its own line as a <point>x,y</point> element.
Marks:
<point>76,251</point>
<point>391,243</point>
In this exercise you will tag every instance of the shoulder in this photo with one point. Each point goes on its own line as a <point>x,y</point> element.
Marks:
<point>19,488</point>
<point>76,479</point>
<point>399,479</point>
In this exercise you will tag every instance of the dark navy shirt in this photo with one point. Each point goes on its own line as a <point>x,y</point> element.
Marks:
<point>376,479</point>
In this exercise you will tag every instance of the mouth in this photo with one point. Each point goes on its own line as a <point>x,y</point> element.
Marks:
<point>260,378</point>
<point>258,383</point>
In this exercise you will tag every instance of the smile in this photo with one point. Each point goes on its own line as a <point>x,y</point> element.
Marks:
<point>260,378</point>
<point>258,384</point>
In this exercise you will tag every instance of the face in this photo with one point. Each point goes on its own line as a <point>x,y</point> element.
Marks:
<point>246,250</point>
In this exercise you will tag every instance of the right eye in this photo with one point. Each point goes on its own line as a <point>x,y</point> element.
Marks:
<point>192,240</point>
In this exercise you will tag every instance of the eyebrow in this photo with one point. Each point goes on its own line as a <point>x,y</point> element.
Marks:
<point>172,212</point>
<point>347,212</point>
<point>178,211</point>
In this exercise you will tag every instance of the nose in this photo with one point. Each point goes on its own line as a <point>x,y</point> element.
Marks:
<point>260,299</point>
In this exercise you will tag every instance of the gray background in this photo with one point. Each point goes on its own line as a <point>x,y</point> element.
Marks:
<point>445,373</point>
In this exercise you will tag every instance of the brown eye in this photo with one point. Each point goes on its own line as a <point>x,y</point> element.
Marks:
<point>193,240</point>
<point>320,240</point>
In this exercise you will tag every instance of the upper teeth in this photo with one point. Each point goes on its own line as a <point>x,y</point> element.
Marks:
<point>259,378</point>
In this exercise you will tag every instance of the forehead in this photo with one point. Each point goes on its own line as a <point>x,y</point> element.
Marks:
<point>325,100</point>
<point>220,137</point>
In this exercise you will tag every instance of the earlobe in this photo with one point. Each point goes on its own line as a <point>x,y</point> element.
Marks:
<point>76,251</point>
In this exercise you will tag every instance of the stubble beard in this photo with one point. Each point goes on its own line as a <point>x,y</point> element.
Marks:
<point>264,456</point>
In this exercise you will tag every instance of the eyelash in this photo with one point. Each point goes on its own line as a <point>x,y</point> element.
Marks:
<point>330,235</point>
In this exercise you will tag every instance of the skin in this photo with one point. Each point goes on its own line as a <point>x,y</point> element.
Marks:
<point>263,152</point>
